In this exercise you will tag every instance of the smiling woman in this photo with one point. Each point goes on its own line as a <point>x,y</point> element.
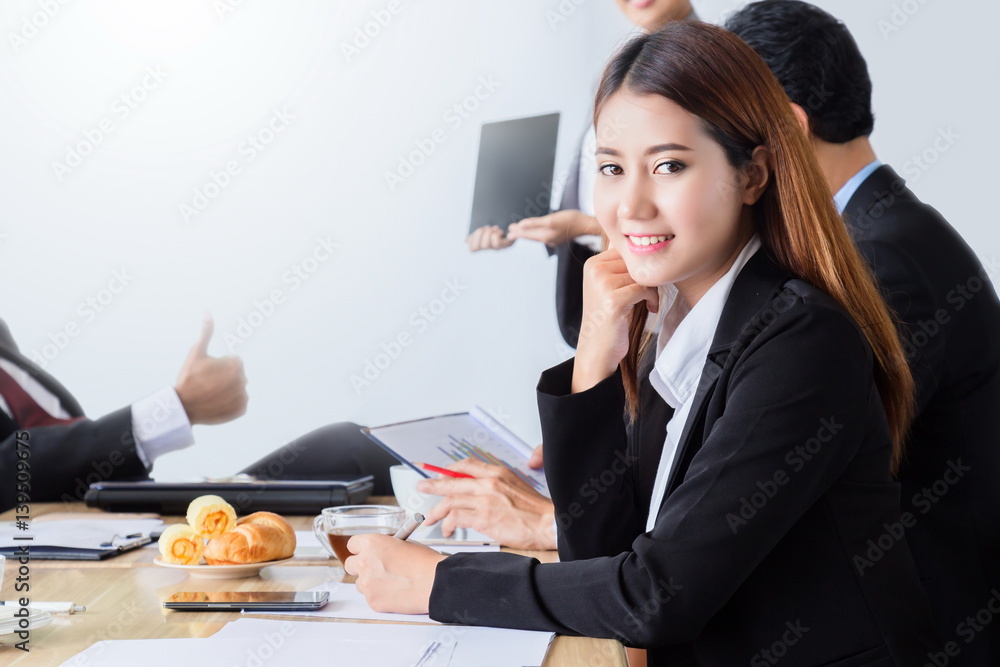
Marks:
<point>653,14</point>
<point>725,544</point>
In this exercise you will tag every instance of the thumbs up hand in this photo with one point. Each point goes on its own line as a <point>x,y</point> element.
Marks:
<point>211,390</point>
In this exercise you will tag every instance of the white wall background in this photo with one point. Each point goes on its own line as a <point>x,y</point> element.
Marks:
<point>226,72</point>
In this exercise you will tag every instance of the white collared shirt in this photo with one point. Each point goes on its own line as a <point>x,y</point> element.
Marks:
<point>159,422</point>
<point>685,336</point>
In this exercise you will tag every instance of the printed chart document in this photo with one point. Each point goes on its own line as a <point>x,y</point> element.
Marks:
<point>444,440</point>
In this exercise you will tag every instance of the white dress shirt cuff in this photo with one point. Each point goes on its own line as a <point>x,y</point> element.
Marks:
<point>592,241</point>
<point>160,425</point>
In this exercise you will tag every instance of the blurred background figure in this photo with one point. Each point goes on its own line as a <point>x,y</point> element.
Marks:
<point>571,232</point>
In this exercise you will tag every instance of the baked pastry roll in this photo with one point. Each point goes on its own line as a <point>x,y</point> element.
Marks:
<point>211,516</point>
<point>181,545</point>
<point>257,538</point>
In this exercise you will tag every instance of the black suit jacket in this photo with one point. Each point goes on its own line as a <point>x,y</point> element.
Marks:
<point>780,481</point>
<point>951,334</point>
<point>570,257</point>
<point>64,459</point>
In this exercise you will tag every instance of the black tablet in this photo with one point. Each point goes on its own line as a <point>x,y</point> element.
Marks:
<point>515,171</point>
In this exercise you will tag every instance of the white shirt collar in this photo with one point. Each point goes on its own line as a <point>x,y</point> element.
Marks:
<point>685,335</point>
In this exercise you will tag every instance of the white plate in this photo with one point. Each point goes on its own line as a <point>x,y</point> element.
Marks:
<point>9,624</point>
<point>222,571</point>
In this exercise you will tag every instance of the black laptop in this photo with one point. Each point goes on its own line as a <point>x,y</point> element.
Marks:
<point>245,494</point>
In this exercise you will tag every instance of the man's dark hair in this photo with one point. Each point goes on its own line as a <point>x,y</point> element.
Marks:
<point>817,62</point>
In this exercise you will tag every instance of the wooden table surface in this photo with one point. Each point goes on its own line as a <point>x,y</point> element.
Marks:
<point>124,596</point>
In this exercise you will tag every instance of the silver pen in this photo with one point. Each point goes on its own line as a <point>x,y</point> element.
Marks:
<point>407,528</point>
<point>436,650</point>
<point>428,654</point>
<point>52,607</point>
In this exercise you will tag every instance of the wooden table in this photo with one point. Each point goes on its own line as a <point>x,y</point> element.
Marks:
<point>124,598</point>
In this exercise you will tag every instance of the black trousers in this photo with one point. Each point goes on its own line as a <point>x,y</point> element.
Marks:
<point>334,450</point>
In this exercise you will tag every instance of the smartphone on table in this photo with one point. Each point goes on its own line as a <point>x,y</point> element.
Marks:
<point>248,601</point>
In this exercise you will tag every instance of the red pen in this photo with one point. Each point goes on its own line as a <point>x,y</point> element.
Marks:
<point>444,471</point>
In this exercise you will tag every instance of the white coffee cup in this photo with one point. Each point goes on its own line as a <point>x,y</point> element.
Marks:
<point>404,486</point>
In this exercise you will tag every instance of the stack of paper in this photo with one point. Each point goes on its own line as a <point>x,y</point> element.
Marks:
<point>254,642</point>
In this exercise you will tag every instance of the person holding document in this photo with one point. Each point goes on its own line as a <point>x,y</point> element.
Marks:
<point>571,233</point>
<point>721,477</point>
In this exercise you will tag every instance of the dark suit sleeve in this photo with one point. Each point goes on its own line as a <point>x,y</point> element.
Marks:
<point>807,376</point>
<point>571,257</point>
<point>65,459</point>
<point>577,482</point>
<point>908,293</point>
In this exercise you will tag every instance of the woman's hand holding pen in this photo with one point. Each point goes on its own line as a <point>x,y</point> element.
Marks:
<point>609,293</point>
<point>394,575</point>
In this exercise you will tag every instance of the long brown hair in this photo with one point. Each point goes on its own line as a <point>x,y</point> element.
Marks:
<point>712,74</point>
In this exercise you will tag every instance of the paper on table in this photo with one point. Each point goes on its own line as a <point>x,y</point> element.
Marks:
<point>271,649</point>
<point>449,549</point>
<point>477,647</point>
<point>433,535</point>
<point>306,546</point>
<point>347,602</point>
<point>78,533</point>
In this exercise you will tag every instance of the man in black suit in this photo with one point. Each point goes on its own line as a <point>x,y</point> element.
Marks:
<point>69,451</point>
<point>950,319</point>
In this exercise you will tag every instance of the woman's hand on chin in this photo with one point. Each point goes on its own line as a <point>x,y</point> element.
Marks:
<point>609,293</point>
<point>394,576</point>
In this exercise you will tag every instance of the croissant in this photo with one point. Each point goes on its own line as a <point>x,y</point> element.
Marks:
<point>211,516</point>
<point>258,537</point>
<point>180,544</point>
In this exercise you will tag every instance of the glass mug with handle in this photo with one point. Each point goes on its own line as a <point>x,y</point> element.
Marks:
<point>336,525</point>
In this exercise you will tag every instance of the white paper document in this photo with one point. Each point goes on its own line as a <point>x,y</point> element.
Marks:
<point>474,646</point>
<point>285,643</point>
<point>308,547</point>
<point>259,651</point>
<point>347,602</point>
<point>79,533</point>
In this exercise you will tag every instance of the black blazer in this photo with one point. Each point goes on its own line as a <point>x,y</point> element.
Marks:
<point>65,459</point>
<point>780,481</point>
<point>570,257</point>
<point>951,334</point>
